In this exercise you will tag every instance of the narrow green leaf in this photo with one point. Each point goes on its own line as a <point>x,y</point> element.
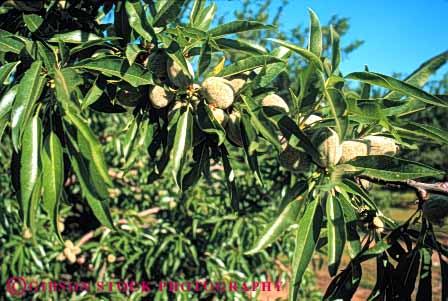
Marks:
<point>121,21</point>
<point>406,273</point>
<point>94,147</point>
<point>115,66</point>
<point>378,249</point>
<point>3,123</point>
<point>267,75</point>
<point>53,175</point>
<point>308,55</point>
<point>99,207</point>
<point>198,5</point>
<point>204,17</point>
<point>141,142</point>
<point>335,49</point>
<point>351,220</point>
<point>396,85</point>
<point>92,95</point>
<point>137,19</point>
<point>66,80</point>
<point>106,42</point>
<point>290,129</point>
<point>238,27</point>
<point>32,21</point>
<point>312,85</point>
<point>345,284</point>
<point>47,56</point>
<point>5,72</point>
<point>201,158</point>
<point>248,64</point>
<point>10,44</point>
<point>95,179</point>
<point>132,51</point>
<point>336,233</point>
<point>5,34</point>
<point>178,57</point>
<point>130,138</point>
<point>64,53</point>
<point>74,37</point>
<point>308,233</point>
<point>419,77</point>
<point>168,11</point>
<point>411,105</point>
<point>208,123</point>
<point>30,164</point>
<point>205,58</point>
<point>248,136</point>
<point>367,111</point>
<point>240,46</point>
<point>182,145</point>
<point>439,135</point>
<point>261,123</point>
<point>365,90</point>
<point>230,177</point>
<point>34,203</point>
<point>391,169</point>
<point>377,290</point>
<point>337,104</point>
<point>275,229</point>
<point>30,88</point>
<point>187,32</point>
<point>425,283</point>
<point>7,100</point>
<point>315,40</point>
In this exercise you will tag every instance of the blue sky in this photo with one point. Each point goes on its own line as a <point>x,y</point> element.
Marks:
<point>399,35</point>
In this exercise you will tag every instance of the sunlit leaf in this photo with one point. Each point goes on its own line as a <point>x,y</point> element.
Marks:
<point>391,83</point>
<point>168,11</point>
<point>336,233</point>
<point>315,41</point>
<point>182,143</point>
<point>32,21</point>
<point>29,91</point>
<point>274,230</point>
<point>237,27</point>
<point>308,233</point>
<point>74,37</point>
<point>94,147</point>
<point>308,55</point>
<point>391,169</point>
<point>5,72</point>
<point>53,175</point>
<point>420,76</point>
<point>248,64</point>
<point>137,19</point>
<point>30,163</point>
<point>115,66</point>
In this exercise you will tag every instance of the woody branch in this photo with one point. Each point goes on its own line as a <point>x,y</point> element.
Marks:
<point>422,188</point>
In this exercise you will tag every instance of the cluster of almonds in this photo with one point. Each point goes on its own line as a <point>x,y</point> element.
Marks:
<point>332,152</point>
<point>70,252</point>
<point>218,92</point>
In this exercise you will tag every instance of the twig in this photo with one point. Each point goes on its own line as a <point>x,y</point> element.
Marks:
<point>438,187</point>
<point>421,188</point>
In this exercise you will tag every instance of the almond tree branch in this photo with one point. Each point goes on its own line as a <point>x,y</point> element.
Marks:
<point>422,188</point>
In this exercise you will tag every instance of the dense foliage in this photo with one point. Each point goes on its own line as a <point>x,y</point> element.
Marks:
<point>168,149</point>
